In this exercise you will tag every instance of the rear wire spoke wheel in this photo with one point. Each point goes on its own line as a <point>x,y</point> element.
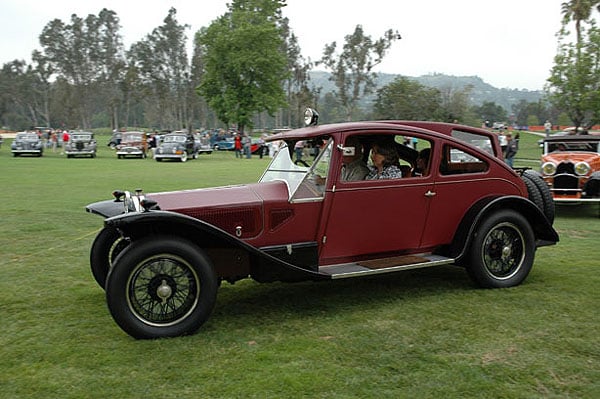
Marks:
<point>502,250</point>
<point>161,288</point>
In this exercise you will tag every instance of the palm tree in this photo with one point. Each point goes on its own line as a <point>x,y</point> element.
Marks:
<point>578,11</point>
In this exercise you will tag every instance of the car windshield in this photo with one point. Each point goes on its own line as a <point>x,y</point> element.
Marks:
<point>132,137</point>
<point>27,137</point>
<point>174,139</point>
<point>81,136</point>
<point>579,146</point>
<point>300,179</point>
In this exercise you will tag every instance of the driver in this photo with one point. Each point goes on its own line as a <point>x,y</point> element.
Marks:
<point>353,166</point>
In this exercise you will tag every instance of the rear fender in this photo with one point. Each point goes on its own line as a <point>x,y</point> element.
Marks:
<point>542,229</point>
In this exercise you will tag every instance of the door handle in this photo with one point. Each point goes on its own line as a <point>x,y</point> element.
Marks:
<point>430,193</point>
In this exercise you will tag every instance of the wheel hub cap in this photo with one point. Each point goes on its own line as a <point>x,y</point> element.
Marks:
<point>164,291</point>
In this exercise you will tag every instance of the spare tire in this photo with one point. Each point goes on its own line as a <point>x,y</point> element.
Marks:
<point>539,193</point>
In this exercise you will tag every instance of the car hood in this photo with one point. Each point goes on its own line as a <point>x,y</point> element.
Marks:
<point>574,157</point>
<point>239,210</point>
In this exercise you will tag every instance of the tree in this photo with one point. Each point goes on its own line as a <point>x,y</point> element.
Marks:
<point>490,111</point>
<point>162,66</point>
<point>574,82</point>
<point>455,104</point>
<point>244,64</point>
<point>298,94</point>
<point>578,11</point>
<point>352,69</point>
<point>407,99</point>
<point>84,53</point>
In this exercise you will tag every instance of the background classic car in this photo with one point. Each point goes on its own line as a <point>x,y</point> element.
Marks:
<point>571,167</point>
<point>27,143</point>
<point>178,146</point>
<point>132,144</point>
<point>160,257</point>
<point>81,144</point>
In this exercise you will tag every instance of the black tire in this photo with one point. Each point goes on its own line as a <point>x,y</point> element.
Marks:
<point>107,245</point>
<point>548,207</point>
<point>592,187</point>
<point>162,287</point>
<point>502,250</point>
<point>533,193</point>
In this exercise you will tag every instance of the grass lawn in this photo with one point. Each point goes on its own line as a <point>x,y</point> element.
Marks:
<point>418,334</point>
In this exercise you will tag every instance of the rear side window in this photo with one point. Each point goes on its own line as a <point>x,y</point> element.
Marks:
<point>455,161</point>
<point>482,142</point>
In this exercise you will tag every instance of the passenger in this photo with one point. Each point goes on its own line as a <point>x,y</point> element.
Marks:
<point>354,167</point>
<point>386,163</point>
<point>422,163</point>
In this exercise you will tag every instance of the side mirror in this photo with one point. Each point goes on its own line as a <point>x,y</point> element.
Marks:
<point>347,151</point>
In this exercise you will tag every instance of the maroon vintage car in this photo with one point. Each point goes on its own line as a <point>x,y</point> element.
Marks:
<point>161,257</point>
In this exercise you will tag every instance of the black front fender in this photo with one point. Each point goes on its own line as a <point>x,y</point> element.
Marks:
<point>107,208</point>
<point>262,265</point>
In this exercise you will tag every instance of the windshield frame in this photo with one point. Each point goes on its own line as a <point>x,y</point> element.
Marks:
<point>283,168</point>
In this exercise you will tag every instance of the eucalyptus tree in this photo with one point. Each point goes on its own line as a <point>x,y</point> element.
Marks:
<point>18,110</point>
<point>352,68</point>
<point>161,62</point>
<point>85,53</point>
<point>298,93</point>
<point>244,65</point>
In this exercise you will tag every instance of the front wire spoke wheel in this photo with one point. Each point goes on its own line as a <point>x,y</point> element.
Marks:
<point>163,290</point>
<point>161,287</point>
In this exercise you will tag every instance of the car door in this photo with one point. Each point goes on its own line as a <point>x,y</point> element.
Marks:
<point>374,218</point>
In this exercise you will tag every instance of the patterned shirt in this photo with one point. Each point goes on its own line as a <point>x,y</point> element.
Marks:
<point>390,172</point>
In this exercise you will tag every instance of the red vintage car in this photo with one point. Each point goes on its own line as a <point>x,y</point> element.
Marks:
<point>161,257</point>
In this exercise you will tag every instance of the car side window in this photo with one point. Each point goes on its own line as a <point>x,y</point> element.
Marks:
<point>456,161</point>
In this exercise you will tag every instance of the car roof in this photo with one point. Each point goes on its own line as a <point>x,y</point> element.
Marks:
<point>574,137</point>
<point>424,127</point>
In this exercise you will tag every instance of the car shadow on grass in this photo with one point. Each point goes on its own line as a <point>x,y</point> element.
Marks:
<point>247,302</point>
<point>578,211</point>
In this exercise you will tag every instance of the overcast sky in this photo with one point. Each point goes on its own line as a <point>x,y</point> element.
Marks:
<point>509,43</point>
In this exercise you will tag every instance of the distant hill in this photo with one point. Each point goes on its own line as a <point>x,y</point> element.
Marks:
<point>481,92</point>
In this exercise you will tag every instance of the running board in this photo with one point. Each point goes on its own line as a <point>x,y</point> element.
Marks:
<point>385,265</point>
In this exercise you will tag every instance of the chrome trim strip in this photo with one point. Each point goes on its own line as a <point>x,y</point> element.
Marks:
<point>357,270</point>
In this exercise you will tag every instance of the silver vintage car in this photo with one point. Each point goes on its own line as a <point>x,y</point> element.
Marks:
<point>27,143</point>
<point>81,144</point>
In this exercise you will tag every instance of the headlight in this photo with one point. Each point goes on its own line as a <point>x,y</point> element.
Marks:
<point>131,201</point>
<point>582,168</point>
<point>549,168</point>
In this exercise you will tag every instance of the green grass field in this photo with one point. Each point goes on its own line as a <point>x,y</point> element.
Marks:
<point>419,334</point>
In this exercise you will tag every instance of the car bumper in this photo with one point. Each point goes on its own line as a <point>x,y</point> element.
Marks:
<point>168,156</point>
<point>26,151</point>
<point>132,152</point>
